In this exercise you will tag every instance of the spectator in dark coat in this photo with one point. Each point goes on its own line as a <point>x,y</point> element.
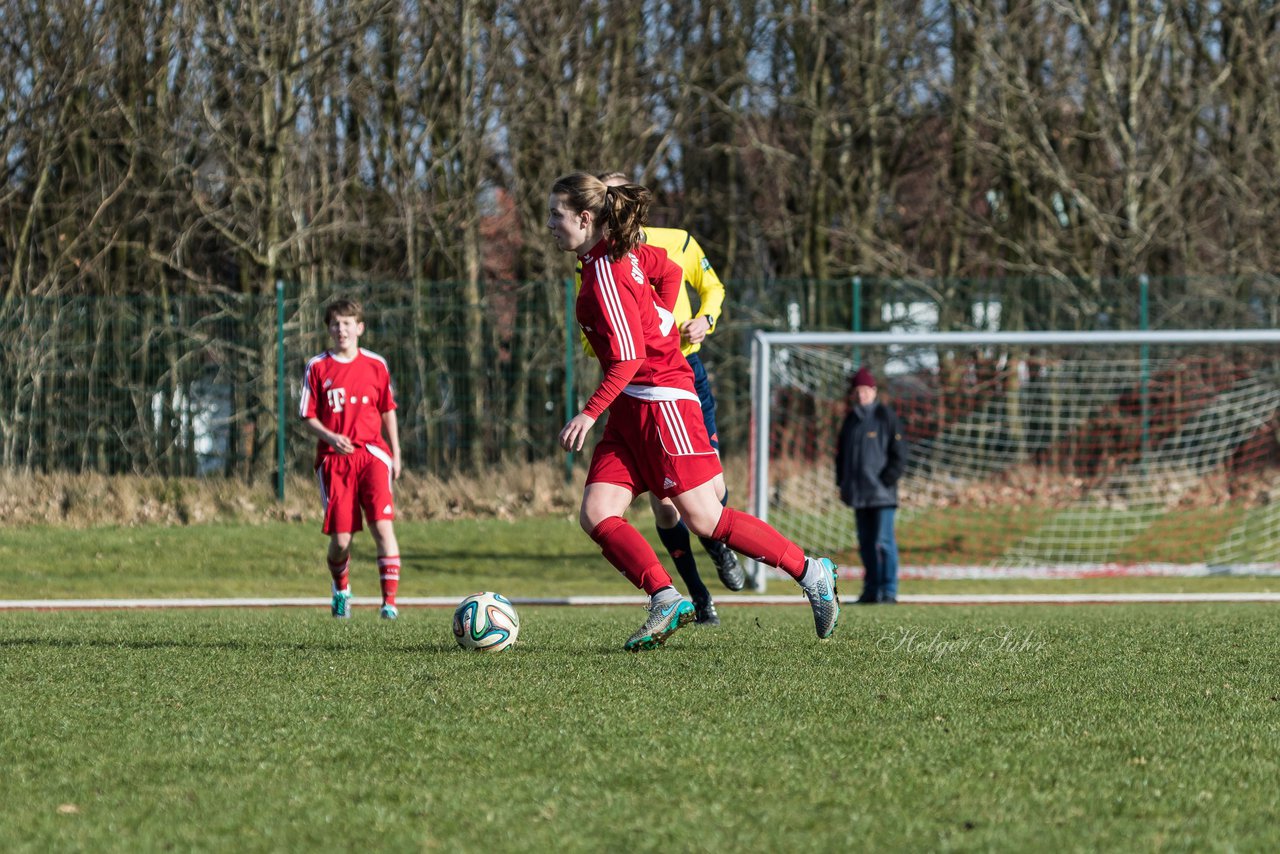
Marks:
<point>871,455</point>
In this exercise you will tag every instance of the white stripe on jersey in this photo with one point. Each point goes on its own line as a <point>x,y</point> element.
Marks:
<point>372,355</point>
<point>376,357</point>
<point>666,319</point>
<point>612,303</point>
<point>676,424</point>
<point>379,454</point>
<point>324,490</point>
<point>306,385</point>
<point>305,398</point>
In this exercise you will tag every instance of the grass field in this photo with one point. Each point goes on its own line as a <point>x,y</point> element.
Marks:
<point>915,728</point>
<point>522,558</point>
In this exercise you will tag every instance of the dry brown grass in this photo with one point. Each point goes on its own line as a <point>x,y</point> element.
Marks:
<point>88,500</point>
<point>91,499</point>
<point>1037,486</point>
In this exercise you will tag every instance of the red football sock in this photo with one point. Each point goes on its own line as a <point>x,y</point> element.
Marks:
<point>629,552</point>
<point>745,533</point>
<point>340,572</point>
<point>389,575</point>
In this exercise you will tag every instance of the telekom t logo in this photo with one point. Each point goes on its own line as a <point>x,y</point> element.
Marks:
<point>337,397</point>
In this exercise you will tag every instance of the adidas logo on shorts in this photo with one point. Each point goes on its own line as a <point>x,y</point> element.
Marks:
<point>668,483</point>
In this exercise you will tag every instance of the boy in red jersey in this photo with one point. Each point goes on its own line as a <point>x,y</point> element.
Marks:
<point>347,402</point>
<point>655,439</point>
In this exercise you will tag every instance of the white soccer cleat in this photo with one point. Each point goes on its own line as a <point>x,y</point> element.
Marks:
<point>664,620</point>
<point>822,595</point>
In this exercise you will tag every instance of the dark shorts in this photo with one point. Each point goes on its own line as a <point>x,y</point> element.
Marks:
<point>702,385</point>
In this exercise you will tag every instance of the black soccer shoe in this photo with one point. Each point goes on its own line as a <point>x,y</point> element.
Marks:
<point>727,565</point>
<point>704,613</point>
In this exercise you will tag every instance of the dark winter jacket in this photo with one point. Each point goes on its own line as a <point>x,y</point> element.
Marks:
<point>871,454</point>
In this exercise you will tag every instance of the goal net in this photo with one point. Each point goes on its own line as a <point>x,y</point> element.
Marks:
<point>1035,454</point>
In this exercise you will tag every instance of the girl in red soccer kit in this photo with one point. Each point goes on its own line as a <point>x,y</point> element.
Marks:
<point>655,439</point>
<point>347,402</point>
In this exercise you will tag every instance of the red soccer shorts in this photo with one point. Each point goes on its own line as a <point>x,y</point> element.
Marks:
<point>361,480</point>
<point>655,446</point>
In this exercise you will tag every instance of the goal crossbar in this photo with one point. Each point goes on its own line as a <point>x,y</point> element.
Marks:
<point>764,343</point>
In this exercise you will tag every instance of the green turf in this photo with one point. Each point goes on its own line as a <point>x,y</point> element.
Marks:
<point>523,558</point>
<point>529,557</point>
<point>980,535</point>
<point>916,728</point>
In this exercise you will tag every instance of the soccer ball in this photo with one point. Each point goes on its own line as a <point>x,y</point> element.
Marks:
<point>485,622</point>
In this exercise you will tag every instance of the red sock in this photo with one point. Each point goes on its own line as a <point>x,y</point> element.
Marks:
<point>340,573</point>
<point>745,533</point>
<point>389,575</point>
<point>629,552</point>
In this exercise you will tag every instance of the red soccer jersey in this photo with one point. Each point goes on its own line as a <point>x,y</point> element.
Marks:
<point>348,398</point>
<point>624,309</point>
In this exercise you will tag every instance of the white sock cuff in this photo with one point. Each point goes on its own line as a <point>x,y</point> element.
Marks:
<point>666,594</point>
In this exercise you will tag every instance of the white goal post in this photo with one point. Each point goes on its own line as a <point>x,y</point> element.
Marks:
<point>1035,454</point>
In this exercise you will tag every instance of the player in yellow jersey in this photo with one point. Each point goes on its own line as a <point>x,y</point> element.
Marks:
<point>698,275</point>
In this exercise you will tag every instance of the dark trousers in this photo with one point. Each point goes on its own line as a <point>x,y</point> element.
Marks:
<point>879,551</point>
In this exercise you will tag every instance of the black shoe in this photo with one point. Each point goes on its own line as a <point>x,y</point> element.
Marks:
<point>704,613</point>
<point>866,599</point>
<point>887,600</point>
<point>727,566</point>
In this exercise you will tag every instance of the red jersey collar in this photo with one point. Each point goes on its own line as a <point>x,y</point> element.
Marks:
<point>600,250</point>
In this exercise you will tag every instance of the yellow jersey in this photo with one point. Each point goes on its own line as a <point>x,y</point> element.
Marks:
<point>698,275</point>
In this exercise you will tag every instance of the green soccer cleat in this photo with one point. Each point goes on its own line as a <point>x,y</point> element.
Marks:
<point>823,597</point>
<point>388,612</point>
<point>340,607</point>
<point>664,620</point>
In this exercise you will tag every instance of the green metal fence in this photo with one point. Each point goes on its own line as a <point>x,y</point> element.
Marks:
<point>205,385</point>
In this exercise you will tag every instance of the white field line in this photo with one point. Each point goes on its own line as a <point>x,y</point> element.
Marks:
<point>741,599</point>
